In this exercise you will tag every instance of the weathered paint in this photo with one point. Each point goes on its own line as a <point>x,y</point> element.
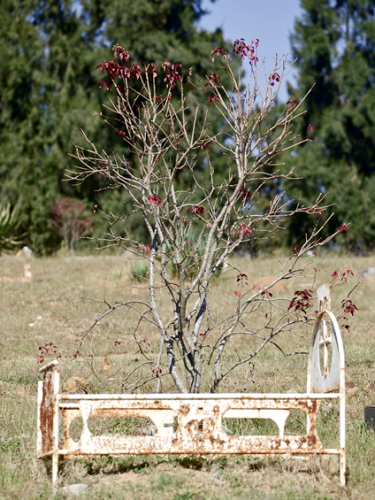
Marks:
<point>187,438</point>
<point>47,409</point>
<point>199,416</point>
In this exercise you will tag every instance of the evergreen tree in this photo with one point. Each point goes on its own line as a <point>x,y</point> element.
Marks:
<point>48,88</point>
<point>49,52</point>
<point>334,43</point>
<point>21,112</point>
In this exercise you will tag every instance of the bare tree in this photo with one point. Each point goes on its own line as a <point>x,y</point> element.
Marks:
<point>192,339</point>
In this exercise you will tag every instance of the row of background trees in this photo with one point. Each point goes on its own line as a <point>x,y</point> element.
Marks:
<point>49,50</point>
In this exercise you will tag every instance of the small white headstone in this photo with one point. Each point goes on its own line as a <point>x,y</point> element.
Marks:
<point>27,252</point>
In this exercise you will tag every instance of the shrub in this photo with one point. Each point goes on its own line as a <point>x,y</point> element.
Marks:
<point>71,220</point>
<point>166,137</point>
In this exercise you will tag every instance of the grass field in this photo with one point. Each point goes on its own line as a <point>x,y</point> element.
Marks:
<point>56,304</point>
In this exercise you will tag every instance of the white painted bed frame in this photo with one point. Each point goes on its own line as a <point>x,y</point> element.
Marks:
<point>193,409</point>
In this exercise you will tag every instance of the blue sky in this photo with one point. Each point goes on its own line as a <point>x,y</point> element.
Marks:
<point>269,20</point>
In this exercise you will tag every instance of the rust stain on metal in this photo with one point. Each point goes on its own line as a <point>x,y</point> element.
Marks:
<point>188,438</point>
<point>199,417</point>
<point>46,411</point>
<point>46,414</point>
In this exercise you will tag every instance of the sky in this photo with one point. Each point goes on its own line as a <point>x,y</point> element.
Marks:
<point>271,21</point>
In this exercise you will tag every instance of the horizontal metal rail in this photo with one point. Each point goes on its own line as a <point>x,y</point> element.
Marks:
<point>192,397</point>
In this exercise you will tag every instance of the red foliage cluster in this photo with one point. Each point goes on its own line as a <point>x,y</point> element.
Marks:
<point>241,278</point>
<point>344,277</point>
<point>212,99</point>
<point>344,229</point>
<point>275,77</point>
<point>155,199</point>
<point>243,230</point>
<point>214,76</point>
<point>113,69</point>
<point>46,350</point>
<point>238,294</point>
<point>117,343</point>
<point>218,52</point>
<point>121,53</point>
<point>245,193</point>
<point>157,372</point>
<point>346,274</point>
<point>105,83</point>
<point>349,307</point>
<point>301,301</point>
<point>240,47</point>
<point>173,75</point>
<point>197,210</point>
<point>266,292</point>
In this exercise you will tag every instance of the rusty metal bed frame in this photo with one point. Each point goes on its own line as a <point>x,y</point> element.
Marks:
<point>192,410</point>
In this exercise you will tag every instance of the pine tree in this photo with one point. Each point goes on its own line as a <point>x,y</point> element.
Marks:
<point>48,89</point>
<point>334,43</point>
<point>49,53</point>
<point>21,115</point>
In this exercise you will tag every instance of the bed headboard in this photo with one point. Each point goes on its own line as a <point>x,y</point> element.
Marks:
<point>326,332</point>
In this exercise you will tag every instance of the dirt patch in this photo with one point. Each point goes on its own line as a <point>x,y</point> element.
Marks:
<point>266,281</point>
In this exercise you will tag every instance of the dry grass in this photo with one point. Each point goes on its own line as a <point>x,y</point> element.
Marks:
<point>54,302</point>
